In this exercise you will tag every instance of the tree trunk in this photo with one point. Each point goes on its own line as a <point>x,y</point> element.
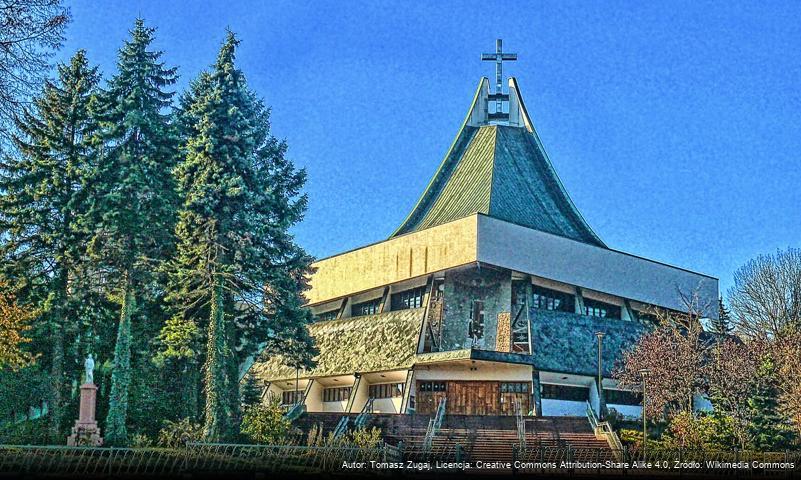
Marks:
<point>56,406</point>
<point>116,431</point>
<point>217,414</point>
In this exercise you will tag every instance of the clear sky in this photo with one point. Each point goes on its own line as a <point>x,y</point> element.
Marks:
<point>673,125</point>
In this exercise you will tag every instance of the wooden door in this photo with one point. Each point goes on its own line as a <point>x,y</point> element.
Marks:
<point>473,398</point>
<point>511,392</point>
<point>428,395</point>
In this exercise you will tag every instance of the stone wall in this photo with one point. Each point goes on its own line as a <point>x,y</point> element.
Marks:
<point>566,342</point>
<point>462,287</point>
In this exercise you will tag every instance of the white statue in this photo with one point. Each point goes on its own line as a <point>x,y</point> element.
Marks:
<point>89,368</point>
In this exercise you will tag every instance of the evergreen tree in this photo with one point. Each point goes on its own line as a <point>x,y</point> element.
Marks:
<point>769,429</point>
<point>251,393</point>
<point>131,217</point>
<point>236,260</point>
<point>722,325</point>
<point>43,190</point>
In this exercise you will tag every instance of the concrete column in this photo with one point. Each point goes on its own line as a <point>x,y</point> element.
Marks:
<point>536,395</point>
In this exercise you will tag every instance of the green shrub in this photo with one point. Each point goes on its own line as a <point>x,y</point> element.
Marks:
<point>27,432</point>
<point>140,440</point>
<point>265,424</point>
<point>177,434</point>
<point>364,438</point>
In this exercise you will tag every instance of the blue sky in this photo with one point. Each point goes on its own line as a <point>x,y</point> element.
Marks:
<point>673,125</point>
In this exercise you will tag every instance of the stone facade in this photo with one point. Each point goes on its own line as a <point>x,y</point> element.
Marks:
<point>463,287</point>
<point>565,342</point>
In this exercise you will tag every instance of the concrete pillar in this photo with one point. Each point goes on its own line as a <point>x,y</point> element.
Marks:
<point>536,394</point>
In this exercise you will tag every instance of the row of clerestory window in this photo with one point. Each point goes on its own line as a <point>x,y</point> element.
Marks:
<point>412,298</point>
<point>547,299</point>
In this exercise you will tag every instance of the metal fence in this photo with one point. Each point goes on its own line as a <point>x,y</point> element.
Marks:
<point>231,458</point>
<point>195,458</point>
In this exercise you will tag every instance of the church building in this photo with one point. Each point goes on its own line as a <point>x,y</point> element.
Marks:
<point>489,296</point>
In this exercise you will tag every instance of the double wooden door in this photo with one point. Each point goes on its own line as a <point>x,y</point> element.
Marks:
<point>469,398</point>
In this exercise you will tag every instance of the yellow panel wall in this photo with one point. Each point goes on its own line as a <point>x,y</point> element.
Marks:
<point>394,260</point>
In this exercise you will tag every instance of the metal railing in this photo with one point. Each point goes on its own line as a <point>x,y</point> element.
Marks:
<point>606,430</point>
<point>434,424</point>
<point>521,424</point>
<point>207,458</point>
<point>341,427</point>
<point>295,411</point>
<point>361,418</point>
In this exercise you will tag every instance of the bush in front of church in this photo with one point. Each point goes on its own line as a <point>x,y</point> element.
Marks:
<point>177,434</point>
<point>265,424</point>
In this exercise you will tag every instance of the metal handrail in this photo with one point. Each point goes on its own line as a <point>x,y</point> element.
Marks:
<point>606,430</point>
<point>521,424</point>
<point>341,427</point>
<point>367,409</point>
<point>434,425</point>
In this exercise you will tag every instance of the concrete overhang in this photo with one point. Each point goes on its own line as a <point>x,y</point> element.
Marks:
<point>482,239</point>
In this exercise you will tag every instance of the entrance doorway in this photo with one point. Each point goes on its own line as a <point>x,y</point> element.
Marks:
<point>473,398</point>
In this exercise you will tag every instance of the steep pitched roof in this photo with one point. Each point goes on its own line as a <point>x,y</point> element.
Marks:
<point>501,171</point>
<point>370,343</point>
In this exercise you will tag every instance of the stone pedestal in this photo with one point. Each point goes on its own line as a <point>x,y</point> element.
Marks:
<point>85,432</point>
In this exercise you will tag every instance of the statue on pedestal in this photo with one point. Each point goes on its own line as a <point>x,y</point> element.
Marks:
<point>86,432</point>
<point>89,368</point>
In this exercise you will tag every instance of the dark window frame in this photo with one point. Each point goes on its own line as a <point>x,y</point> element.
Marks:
<point>370,307</point>
<point>597,308</point>
<point>327,316</point>
<point>548,299</point>
<point>570,393</point>
<point>406,299</point>
<point>622,397</point>
<point>291,397</point>
<point>385,390</point>
<point>337,394</point>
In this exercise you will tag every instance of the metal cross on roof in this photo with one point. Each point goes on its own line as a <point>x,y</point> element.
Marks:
<point>498,57</point>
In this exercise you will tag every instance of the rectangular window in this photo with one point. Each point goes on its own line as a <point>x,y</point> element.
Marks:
<point>408,298</point>
<point>432,386</point>
<point>594,308</point>
<point>514,387</point>
<point>326,316</point>
<point>622,397</point>
<point>370,307</point>
<point>476,330</point>
<point>547,299</point>
<point>564,392</point>
<point>645,317</point>
<point>336,394</point>
<point>291,397</point>
<point>386,390</point>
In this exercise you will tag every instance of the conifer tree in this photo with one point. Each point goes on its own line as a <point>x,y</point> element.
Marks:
<point>236,260</point>
<point>769,428</point>
<point>251,393</point>
<point>131,216</point>
<point>42,196</point>
<point>722,325</point>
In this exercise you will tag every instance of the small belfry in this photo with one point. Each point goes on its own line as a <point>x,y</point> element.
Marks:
<point>488,299</point>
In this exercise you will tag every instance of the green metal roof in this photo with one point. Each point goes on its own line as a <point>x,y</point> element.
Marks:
<point>501,171</point>
<point>370,343</point>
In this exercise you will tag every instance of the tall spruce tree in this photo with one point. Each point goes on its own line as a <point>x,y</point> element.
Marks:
<point>722,325</point>
<point>43,191</point>
<point>770,430</point>
<point>236,260</point>
<point>132,214</point>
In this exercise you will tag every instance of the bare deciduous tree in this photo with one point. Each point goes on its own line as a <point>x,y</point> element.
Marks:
<point>766,296</point>
<point>30,30</point>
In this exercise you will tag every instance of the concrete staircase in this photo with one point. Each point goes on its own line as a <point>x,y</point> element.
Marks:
<point>487,438</point>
